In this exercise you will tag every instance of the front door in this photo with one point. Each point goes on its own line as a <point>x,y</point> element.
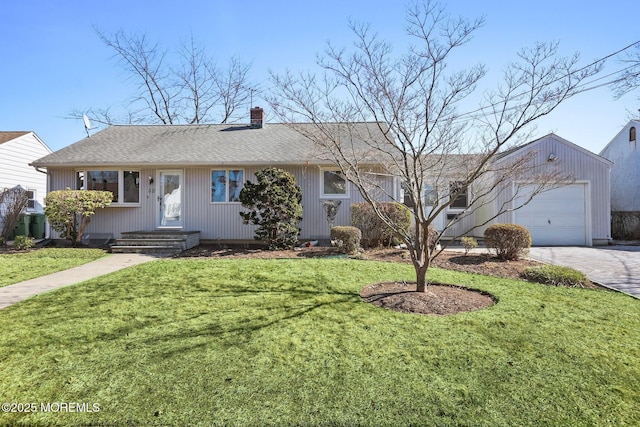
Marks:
<point>170,199</point>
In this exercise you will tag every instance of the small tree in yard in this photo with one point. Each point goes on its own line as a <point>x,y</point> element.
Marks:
<point>69,211</point>
<point>13,201</point>
<point>416,131</point>
<point>274,205</point>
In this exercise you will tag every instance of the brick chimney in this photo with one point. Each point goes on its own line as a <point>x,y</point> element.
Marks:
<point>257,117</point>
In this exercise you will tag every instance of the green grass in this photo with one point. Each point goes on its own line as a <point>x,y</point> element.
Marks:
<point>19,266</point>
<point>289,342</point>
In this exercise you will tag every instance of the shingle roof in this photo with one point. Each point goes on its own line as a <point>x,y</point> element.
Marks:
<point>187,145</point>
<point>6,136</point>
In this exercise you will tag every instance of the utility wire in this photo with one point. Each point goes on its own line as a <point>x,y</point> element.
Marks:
<point>592,64</point>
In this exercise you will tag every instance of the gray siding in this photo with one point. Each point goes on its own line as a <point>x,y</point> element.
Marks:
<point>215,221</point>
<point>461,226</point>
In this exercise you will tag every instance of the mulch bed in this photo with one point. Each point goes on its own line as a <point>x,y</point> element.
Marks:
<point>438,300</point>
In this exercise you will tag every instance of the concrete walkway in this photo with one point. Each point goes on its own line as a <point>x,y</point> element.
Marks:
<point>616,267</point>
<point>19,291</point>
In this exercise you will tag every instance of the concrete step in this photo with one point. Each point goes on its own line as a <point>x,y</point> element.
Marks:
<point>140,249</point>
<point>151,242</point>
<point>156,242</point>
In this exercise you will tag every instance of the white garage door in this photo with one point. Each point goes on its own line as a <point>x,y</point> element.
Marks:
<point>556,217</point>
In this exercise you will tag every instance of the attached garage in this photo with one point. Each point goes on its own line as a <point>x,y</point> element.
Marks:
<point>556,217</point>
<point>576,214</point>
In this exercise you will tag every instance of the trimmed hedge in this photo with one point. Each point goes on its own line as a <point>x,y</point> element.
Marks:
<point>22,243</point>
<point>468,243</point>
<point>555,275</point>
<point>374,231</point>
<point>510,241</point>
<point>349,238</point>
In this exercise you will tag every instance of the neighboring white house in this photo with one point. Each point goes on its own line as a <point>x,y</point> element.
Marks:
<point>17,150</point>
<point>624,152</point>
<point>188,177</point>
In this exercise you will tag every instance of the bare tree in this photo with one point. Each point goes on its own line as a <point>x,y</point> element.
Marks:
<point>231,84</point>
<point>13,201</point>
<point>191,90</point>
<point>420,136</point>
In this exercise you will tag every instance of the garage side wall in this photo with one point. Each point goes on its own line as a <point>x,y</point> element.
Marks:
<point>583,166</point>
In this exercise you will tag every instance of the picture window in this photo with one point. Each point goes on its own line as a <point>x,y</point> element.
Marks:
<point>226,185</point>
<point>334,184</point>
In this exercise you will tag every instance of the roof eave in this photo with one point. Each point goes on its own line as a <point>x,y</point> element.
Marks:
<point>103,165</point>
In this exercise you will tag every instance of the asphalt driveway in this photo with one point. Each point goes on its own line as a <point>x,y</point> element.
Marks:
<point>616,267</point>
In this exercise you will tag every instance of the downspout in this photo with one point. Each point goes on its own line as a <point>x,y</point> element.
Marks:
<point>47,230</point>
<point>396,189</point>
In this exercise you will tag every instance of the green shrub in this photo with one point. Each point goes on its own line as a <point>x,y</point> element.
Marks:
<point>374,231</point>
<point>274,205</point>
<point>510,241</point>
<point>468,243</point>
<point>348,238</point>
<point>555,275</point>
<point>69,211</point>
<point>22,243</point>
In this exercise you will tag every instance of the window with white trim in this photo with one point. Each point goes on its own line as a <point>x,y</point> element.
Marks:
<point>458,190</point>
<point>124,185</point>
<point>430,195</point>
<point>334,184</point>
<point>406,196</point>
<point>226,185</point>
<point>31,203</point>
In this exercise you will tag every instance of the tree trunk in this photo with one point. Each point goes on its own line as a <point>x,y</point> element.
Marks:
<point>422,261</point>
<point>421,277</point>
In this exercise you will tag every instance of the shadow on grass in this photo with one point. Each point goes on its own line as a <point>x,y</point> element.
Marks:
<point>247,311</point>
<point>232,332</point>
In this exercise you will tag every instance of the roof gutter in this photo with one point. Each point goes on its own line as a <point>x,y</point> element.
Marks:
<point>37,168</point>
<point>183,165</point>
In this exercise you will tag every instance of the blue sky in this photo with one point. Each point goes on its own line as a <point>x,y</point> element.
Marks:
<point>53,62</point>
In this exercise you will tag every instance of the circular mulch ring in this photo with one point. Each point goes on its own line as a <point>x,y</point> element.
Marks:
<point>438,300</point>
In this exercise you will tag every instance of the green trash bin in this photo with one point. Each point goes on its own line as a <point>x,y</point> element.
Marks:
<point>23,225</point>
<point>37,226</point>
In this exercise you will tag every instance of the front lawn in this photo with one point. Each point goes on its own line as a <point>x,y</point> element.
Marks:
<point>289,342</point>
<point>19,266</point>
